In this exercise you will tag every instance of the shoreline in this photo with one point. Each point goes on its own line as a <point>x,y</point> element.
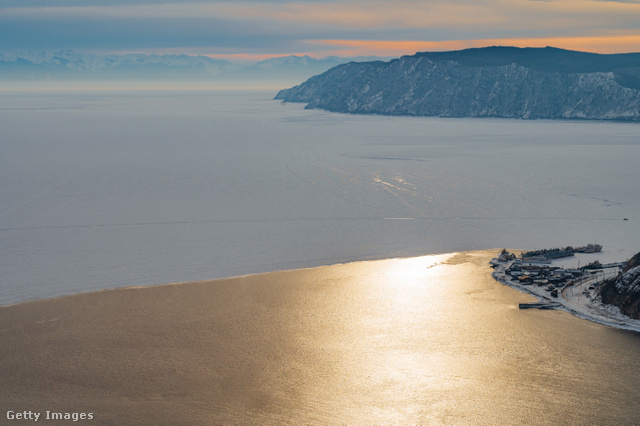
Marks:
<point>293,346</point>
<point>249,275</point>
<point>576,300</point>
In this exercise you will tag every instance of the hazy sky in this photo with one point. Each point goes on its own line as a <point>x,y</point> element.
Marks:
<point>259,29</point>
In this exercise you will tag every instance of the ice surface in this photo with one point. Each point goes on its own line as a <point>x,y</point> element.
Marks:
<point>108,189</point>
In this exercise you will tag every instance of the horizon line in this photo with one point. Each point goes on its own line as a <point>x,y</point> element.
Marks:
<point>613,44</point>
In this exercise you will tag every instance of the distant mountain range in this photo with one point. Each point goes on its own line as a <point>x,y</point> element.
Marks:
<point>70,65</point>
<point>510,82</point>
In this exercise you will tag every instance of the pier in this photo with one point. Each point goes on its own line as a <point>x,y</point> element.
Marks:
<point>547,305</point>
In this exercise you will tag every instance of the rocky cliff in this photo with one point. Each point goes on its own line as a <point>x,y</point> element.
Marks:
<point>529,83</point>
<point>624,290</point>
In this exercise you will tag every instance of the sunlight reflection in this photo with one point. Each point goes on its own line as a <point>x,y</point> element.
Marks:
<point>414,270</point>
<point>403,359</point>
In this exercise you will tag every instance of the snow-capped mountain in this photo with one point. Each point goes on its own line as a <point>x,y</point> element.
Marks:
<point>67,64</point>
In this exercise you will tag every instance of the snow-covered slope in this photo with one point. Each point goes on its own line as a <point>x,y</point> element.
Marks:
<point>489,82</point>
<point>624,290</point>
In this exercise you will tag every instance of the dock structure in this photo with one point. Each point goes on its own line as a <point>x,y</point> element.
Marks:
<point>546,305</point>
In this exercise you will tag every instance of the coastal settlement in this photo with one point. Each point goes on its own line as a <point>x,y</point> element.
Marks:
<point>533,268</point>
<point>575,290</point>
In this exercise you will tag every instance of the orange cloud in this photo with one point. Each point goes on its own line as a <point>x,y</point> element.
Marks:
<point>604,44</point>
<point>612,43</point>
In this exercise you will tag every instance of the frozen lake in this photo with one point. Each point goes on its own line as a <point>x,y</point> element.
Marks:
<point>110,189</point>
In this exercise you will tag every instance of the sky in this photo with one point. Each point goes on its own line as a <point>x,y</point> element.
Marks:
<point>256,30</point>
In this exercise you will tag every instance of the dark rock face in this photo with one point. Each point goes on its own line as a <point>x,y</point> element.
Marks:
<point>491,82</point>
<point>624,290</point>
